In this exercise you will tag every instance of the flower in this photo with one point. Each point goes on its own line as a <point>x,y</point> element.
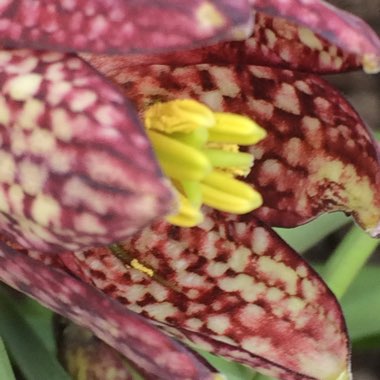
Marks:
<point>230,285</point>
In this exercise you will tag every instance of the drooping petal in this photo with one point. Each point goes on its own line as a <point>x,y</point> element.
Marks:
<point>318,156</point>
<point>339,27</point>
<point>127,332</point>
<point>235,289</point>
<point>121,26</point>
<point>275,42</point>
<point>62,128</point>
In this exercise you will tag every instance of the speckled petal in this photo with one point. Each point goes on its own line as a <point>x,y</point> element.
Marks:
<point>127,332</point>
<point>318,156</point>
<point>62,128</point>
<point>235,289</point>
<point>121,26</point>
<point>339,27</point>
<point>275,42</point>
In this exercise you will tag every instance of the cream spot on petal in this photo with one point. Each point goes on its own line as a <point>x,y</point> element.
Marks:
<point>57,92</point>
<point>277,271</point>
<point>194,323</point>
<point>82,99</point>
<point>251,315</point>
<point>4,111</point>
<point>61,162</point>
<point>216,269</point>
<point>271,38</point>
<point>238,283</point>
<point>239,259</point>
<point>286,99</point>
<point>161,311</point>
<point>293,151</point>
<point>260,240</point>
<point>274,294</point>
<point>16,199</point>
<point>90,224</point>
<point>258,345</point>
<point>32,177</point>
<point>219,324</point>
<point>309,39</point>
<point>135,293</point>
<point>310,291</point>
<point>7,167</point>
<point>23,67</point>
<point>262,108</point>
<point>18,141</point>
<point>42,141</point>
<point>45,210</point>
<point>213,99</point>
<point>303,87</point>
<point>61,124</point>
<point>24,86</point>
<point>225,80</point>
<point>30,113</point>
<point>104,115</point>
<point>4,205</point>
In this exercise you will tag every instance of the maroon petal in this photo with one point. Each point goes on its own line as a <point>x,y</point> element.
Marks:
<point>235,289</point>
<point>337,26</point>
<point>120,26</point>
<point>77,169</point>
<point>275,42</point>
<point>318,156</point>
<point>130,334</point>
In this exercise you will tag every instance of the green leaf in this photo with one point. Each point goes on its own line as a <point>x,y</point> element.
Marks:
<point>347,260</point>
<point>232,370</point>
<point>26,348</point>
<point>361,305</point>
<point>6,372</point>
<point>304,237</point>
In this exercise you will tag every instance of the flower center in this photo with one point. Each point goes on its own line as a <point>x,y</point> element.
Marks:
<point>198,149</point>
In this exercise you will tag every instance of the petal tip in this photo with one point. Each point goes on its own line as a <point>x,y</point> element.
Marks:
<point>371,64</point>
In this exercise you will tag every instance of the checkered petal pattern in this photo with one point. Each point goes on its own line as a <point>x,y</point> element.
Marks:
<point>62,126</point>
<point>120,26</point>
<point>319,155</point>
<point>130,334</point>
<point>232,288</point>
<point>275,42</point>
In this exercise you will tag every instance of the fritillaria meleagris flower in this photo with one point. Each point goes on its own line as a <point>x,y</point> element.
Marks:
<point>77,172</point>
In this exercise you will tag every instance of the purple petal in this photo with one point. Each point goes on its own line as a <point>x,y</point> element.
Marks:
<point>130,334</point>
<point>63,126</point>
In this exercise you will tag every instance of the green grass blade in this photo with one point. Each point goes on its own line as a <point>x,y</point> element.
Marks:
<point>347,260</point>
<point>25,347</point>
<point>6,372</point>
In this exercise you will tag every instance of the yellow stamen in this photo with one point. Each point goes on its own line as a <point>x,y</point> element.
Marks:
<point>182,115</point>
<point>198,150</point>
<point>187,215</point>
<point>235,129</point>
<point>179,160</point>
<point>226,193</point>
<point>237,161</point>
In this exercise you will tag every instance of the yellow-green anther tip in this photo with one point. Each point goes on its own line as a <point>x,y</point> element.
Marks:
<point>187,215</point>
<point>236,129</point>
<point>179,160</point>
<point>199,151</point>
<point>181,115</point>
